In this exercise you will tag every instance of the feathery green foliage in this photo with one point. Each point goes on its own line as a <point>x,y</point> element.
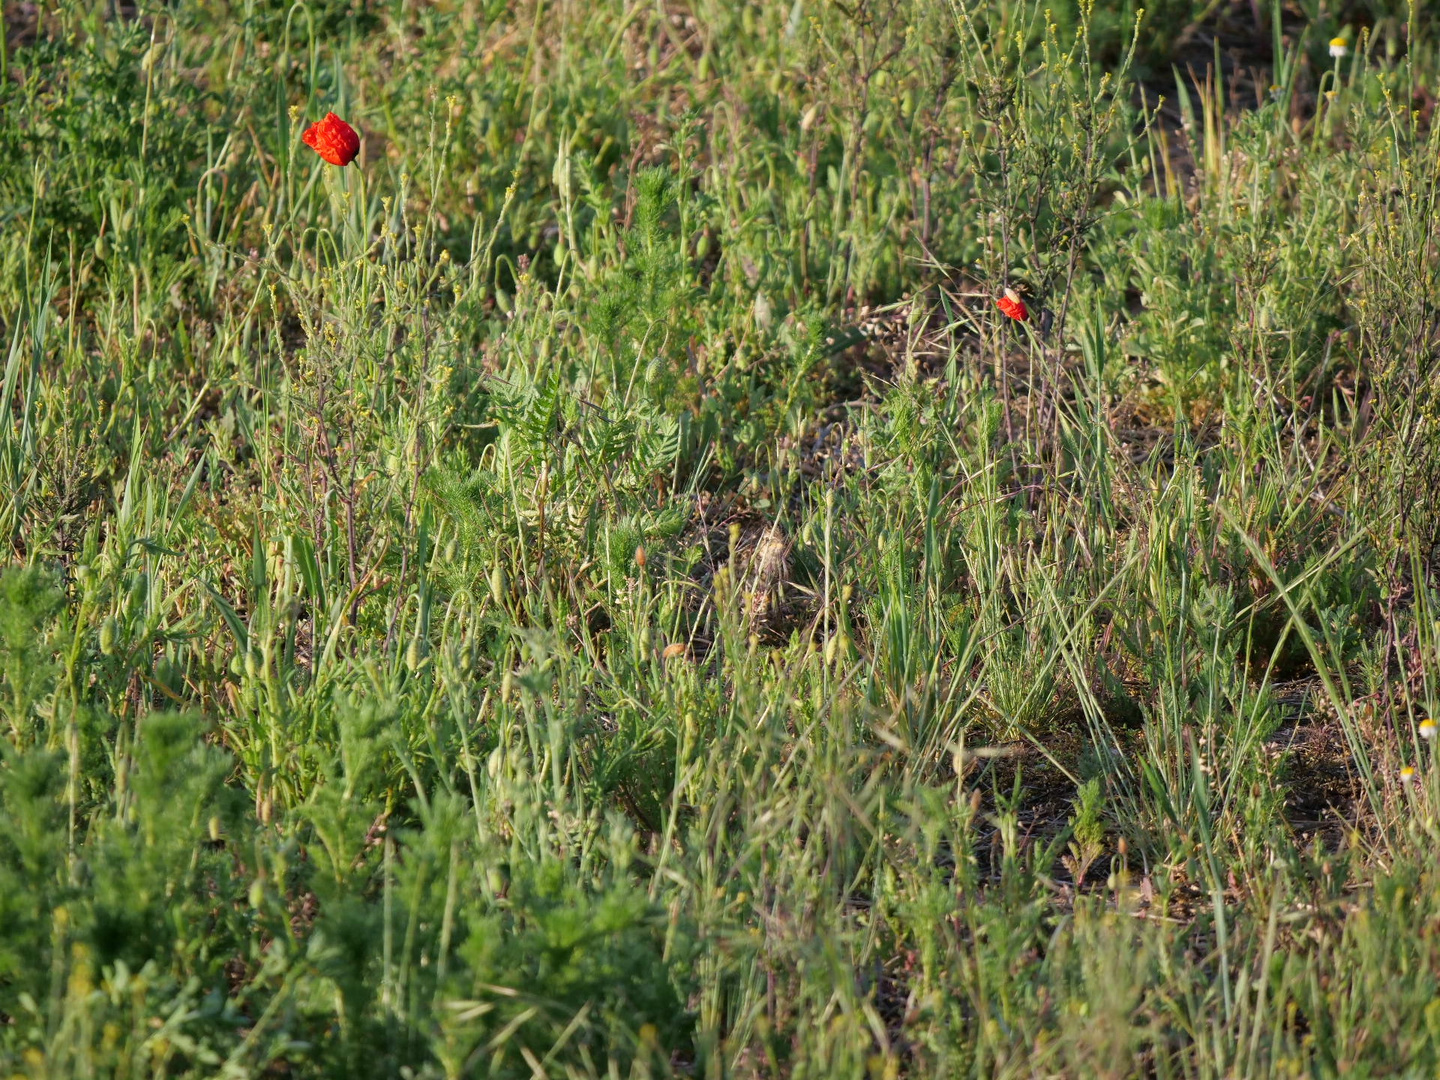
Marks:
<point>597,588</point>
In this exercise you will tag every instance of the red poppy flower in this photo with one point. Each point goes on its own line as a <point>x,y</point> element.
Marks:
<point>333,139</point>
<point>1012,305</point>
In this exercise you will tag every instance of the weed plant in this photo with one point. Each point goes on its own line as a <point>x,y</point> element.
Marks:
<point>596,588</point>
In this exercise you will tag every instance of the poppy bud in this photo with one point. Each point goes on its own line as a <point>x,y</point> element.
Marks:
<point>333,139</point>
<point>1013,306</point>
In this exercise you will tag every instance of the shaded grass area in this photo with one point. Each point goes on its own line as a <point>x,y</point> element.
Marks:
<point>598,588</point>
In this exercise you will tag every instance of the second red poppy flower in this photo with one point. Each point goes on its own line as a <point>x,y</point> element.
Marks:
<point>333,139</point>
<point>1012,305</point>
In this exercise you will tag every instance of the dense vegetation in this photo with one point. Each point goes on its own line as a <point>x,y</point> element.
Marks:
<point>597,588</point>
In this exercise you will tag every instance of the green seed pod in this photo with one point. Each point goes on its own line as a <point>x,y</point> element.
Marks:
<point>109,635</point>
<point>139,590</point>
<point>414,654</point>
<point>252,663</point>
<point>498,584</point>
<point>237,665</point>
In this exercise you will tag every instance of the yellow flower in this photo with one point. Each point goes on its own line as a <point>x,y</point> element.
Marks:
<point>1339,47</point>
<point>1407,775</point>
<point>1427,729</point>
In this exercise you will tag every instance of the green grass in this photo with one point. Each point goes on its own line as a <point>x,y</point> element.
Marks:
<point>596,588</point>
